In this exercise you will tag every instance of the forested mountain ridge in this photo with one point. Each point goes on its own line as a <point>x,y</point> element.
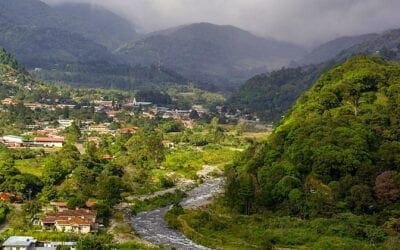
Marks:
<point>270,95</point>
<point>41,39</point>
<point>386,44</point>
<point>219,54</point>
<point>329,50</point>
<point>336,151</point>
<point>97,24</point>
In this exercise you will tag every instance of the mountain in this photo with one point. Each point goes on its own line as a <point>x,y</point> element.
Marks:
<point>97,24</point>
<point>270,95</point>
<point>331,49</point>
<point>43,40</point>
<point>386,44</point>
<point>34,33</point>
<point>220,54</point>
<point>337,151</point>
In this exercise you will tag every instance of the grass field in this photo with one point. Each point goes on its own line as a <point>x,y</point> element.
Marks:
<point>219,228</point>
<point>30,166</point>
<point>188,160</point>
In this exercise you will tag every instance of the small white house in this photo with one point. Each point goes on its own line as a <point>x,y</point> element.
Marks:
<point>13,139</point>
<point>20,243</point>
<point>65,123</point>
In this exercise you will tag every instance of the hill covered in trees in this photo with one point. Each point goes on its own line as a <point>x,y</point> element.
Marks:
<point>329,50</point>
<point>219,54</point>
<point>336,151</point>
<point>97,24</point>
<point>270,95</point>
<point>65,47</point>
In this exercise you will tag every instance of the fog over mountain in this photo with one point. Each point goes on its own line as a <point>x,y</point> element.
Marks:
<point>305,22</point>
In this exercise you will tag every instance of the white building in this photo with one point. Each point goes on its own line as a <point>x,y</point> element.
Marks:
<point>19,243</point>
<point>49,142</point>
<point>12,140</point>
<point>65,123</point>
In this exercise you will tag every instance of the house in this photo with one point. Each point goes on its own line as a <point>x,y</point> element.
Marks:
<point>76,221</point>
<point>94,139</point>
<point>56,245</point>
<point>148,115</point>
<point>13,141</point>
<point>188,124</point>
<point>71,106</point>
<point>107,157</point>
<point>128,130</point>
<point>137,104</point>
<point>20,243</point>
<point>36,105</point>
<point>74,225</point>
<point>64,123</point>
<point>102,129</point>
<point>30,243</point>
<point>168,144</point>
<point>9,197</point>
<point>8,102</point>
<point>49,142</point>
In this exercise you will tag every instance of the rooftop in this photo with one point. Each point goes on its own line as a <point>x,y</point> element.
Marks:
<point>20,241</point>
<point>49,139</point>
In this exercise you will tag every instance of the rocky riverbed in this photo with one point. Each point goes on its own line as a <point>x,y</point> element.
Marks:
<point>152,227</point>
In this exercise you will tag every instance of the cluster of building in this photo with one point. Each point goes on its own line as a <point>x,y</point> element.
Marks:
<point>43,141</point>
<point>35,105</point>
<point>48,134</point>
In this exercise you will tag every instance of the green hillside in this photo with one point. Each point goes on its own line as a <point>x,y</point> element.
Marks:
<point>332,148</point>
<point>270,95</point>
<point>12,75</point>
<point>327,178</point>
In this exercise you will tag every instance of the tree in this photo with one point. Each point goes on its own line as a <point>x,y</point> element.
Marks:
<point>386,189</point>
<point>194,115</point>
<point>246,193</point>
<point>360,199</point>
<point>73,132</point>
<point>91,242</point>
<point>146,146</point>
<point>109,189</point>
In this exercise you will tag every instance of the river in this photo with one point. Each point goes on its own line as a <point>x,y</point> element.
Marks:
<point>152,227</point>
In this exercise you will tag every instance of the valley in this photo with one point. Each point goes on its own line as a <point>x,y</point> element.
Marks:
<point>199,125</point>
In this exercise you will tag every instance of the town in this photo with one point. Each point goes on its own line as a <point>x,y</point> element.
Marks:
<point>90,142</point>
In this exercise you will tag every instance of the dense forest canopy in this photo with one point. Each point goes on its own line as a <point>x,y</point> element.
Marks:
<point>337,150</point>
<point>270,95</point>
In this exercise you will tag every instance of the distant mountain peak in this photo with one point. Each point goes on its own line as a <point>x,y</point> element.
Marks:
<point>220,54</point>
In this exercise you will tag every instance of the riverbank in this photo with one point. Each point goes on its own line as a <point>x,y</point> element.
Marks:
<point>151,225</point>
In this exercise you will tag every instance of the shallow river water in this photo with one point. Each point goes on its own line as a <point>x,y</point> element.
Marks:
<point>152,227</point>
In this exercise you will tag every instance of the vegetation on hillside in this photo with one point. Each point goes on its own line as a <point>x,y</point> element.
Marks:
<point>270,95</point>
<point>327,178</point>
<point>333,150</point>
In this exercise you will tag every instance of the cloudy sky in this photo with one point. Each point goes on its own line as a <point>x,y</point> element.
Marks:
<point>305,22</point>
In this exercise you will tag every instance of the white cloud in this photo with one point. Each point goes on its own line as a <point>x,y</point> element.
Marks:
<point>301,21</point>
